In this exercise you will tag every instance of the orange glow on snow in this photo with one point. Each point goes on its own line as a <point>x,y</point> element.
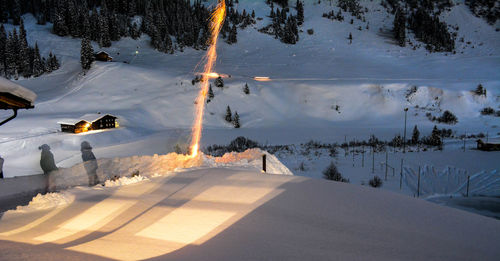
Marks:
<point>217,19</point>
<point>262,79</point>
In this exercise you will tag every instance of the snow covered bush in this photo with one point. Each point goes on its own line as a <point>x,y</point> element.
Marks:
<point>332,173</point>
<point>375,182</point>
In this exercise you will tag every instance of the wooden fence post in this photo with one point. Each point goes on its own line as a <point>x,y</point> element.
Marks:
<point>264,163</point>
<point>418,183</point>
<point>468,182</point>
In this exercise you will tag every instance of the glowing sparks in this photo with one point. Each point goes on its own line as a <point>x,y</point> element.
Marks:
<point>262,79</point>
<point>217,19</point>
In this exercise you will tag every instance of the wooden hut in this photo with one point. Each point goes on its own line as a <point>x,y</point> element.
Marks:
<point>487,146</point>
<point>89,122</point>
<point>103,56</point>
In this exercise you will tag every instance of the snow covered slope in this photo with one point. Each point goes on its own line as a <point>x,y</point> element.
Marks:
<point>153,97</point>
<point>224,214</point>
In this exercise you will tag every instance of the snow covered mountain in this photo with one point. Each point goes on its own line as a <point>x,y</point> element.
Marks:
<point>322,87</point>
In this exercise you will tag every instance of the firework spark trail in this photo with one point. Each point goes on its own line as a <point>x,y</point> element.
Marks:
<point>217,19</point>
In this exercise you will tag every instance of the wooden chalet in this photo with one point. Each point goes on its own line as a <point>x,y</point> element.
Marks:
<point>89,122</point>
<point>14,97</point>
<point>103,56</point>
<point>487,146</point>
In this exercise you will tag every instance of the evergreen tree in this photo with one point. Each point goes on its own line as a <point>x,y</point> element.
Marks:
<point>232,37</point>
<point>229,115</point>
<point>16,52</point>
<point>24,56</point>
<point>38,65</point>
<point>86,54</point>
<point>236,120</point>
<point>4,15</point>
<point>210,93</point>
<point>60,28</point>
<point>219,82</point>
<point>300,12</point>
<point>246,90</point>
<point>3,46</point>
<point>16,12</point>
<point>10,57</point>
<point>435,139</point>
<point>104,38</point>
<point>400,27</point>
<point>415,137</point>
<point>350,38</point>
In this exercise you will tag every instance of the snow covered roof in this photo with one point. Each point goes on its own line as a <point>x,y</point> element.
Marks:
<point>90,118</point>
<point>17,90</point>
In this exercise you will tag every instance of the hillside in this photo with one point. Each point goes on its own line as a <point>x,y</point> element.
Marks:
<point>152,94</point>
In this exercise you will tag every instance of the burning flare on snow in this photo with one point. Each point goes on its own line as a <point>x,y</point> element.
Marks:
<point>262,78</point>
<point>217,20</point>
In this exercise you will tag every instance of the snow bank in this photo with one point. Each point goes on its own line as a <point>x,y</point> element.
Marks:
<point>158,165</point>
<point>47,201</point>
<point>251,158</point>
<point>17,90</point>
<point>123,181</point>
<point>452,181</point>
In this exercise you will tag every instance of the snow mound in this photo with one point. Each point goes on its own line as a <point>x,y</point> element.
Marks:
<point>47,201</point>
<point>123,181</point>
<point>159,165</point>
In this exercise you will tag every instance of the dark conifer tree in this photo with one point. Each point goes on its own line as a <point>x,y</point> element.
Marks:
<point>229,115</point>
<point>4,14</point>
<point>236,120</point>
<point>400,27</point>
<point>24,55</point>
<point>300,12</point>
<point>16,12</point>
<point>105,39</point>
<point>10,57</point>
<point>38,65</point>
<point>60,28</point>
<point>415,137</point>
<point>3,45</point>
<point>210,93</point>
<point>246,90</point>
<point>232,37</point>
<point>435,139</point>
<point>219,82</point>
<point>86,54</point>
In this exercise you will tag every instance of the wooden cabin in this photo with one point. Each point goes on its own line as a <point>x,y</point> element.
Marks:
<point>487,146</point>
<point>89,122</point>
<point>103,56</point>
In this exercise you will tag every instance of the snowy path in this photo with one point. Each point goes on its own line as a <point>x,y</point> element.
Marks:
<point>223,214</point>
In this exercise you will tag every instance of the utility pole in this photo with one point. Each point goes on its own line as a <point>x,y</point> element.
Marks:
<point>404,139</point>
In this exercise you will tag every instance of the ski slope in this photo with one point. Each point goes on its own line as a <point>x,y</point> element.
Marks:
<point>227,214</point>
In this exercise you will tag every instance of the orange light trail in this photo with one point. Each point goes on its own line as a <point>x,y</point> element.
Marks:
<point>217,18</point>
<point>262,79</point>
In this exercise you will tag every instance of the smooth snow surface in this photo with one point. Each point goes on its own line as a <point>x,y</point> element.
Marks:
<point>17,90</point>
<point>224,214</point>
